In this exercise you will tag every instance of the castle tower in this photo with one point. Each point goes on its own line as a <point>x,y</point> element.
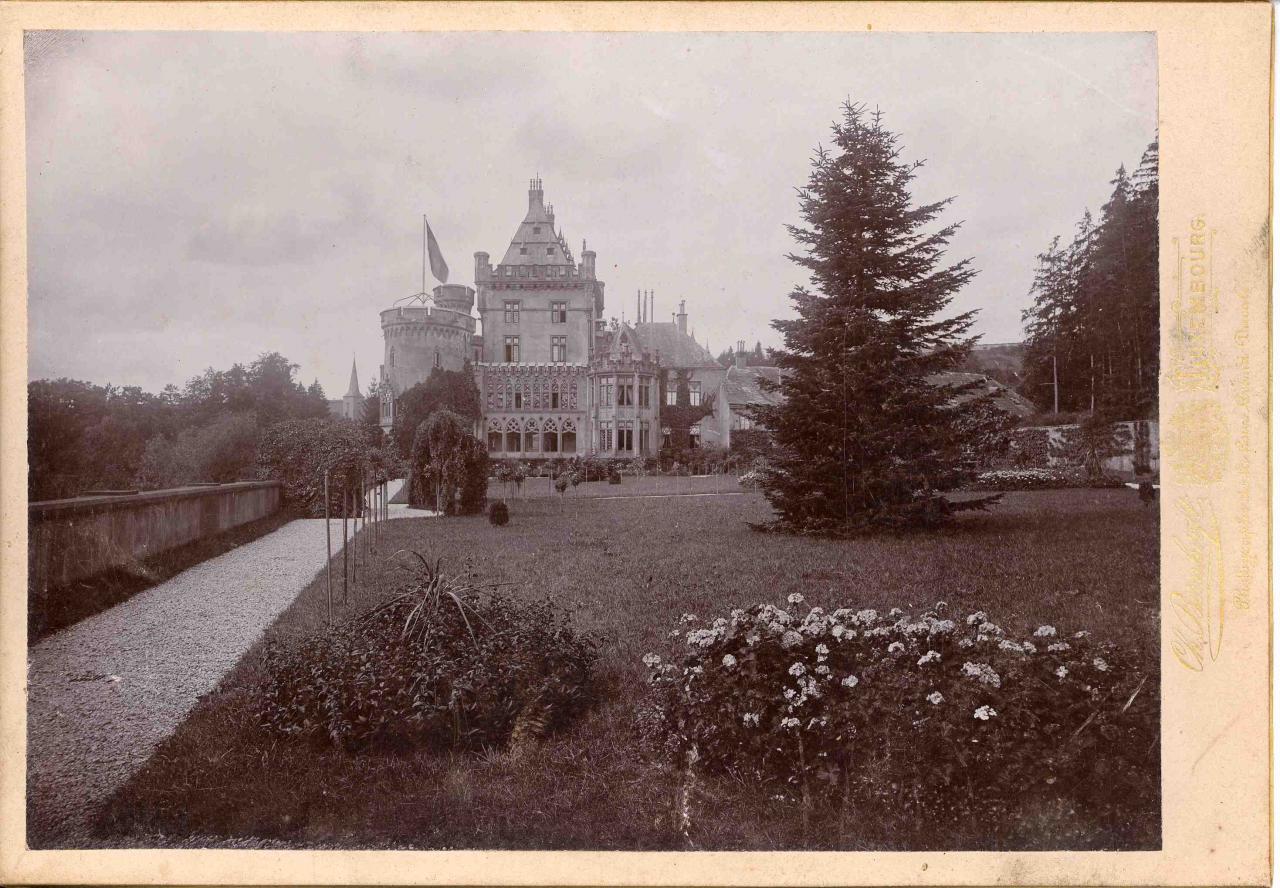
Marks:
<point>420,339</point>
<point>539,310</point>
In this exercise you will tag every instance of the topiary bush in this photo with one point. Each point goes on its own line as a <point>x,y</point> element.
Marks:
<point>444,665</point>
<point>615,477</point>
<point>911,720</point>
<point>499,515</point>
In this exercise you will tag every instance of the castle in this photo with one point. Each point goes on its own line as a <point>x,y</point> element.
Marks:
<point>555,378</point>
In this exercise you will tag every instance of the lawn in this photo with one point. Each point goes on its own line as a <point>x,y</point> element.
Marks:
<point>627,569</point>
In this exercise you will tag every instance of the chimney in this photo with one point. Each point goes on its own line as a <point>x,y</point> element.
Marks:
<point>740,355</point>
<point>651,307</point>
<point>639,310</point>
<point>682,319</point>
<point>588,262</point>
<point>535,193</point>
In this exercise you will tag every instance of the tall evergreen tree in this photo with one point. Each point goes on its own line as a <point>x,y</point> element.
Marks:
<point>870,435</point>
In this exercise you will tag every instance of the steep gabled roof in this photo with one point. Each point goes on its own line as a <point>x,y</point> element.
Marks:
<point>674,348</point>
<point>537,237</point>
<point>1005,398</point>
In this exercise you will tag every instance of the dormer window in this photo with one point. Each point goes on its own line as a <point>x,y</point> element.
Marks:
<point>550,250</point>
<point>537,229</point>
<point>524,251</point>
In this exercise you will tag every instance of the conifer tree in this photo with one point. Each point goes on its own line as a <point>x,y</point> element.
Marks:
<point>870,435</point>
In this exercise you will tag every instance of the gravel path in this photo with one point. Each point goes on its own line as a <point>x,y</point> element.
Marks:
<point>102,693</point>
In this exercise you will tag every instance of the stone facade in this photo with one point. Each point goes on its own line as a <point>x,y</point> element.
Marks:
<point>555,379</point>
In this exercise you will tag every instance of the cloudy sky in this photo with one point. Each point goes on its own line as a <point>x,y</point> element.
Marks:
<point>197,199</point>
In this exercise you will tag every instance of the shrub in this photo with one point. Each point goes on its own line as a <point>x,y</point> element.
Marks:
<point>615,477</point>
<point>448,467</point>
<point>444,665</point>
<point>498,513</point>
<point>297,452</point>
<point>910,721</point>
<point>752,479</point>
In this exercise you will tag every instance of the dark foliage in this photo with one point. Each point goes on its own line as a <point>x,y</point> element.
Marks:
<point>298,452</point>
<point>453,390</point>
<point>82,435</point>
<point>448,466</point>
<point>499,514</point>
<point>866,438</point>
<point>1094,327</point>
<point>445,665</point>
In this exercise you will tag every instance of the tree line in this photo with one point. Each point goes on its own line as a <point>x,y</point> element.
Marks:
<point>82,436</point>
<point>1093,329</point>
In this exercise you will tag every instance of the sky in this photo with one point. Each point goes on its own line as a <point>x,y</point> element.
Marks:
<point>197,199</point>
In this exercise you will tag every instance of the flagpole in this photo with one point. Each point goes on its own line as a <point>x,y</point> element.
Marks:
<point>424,253</point>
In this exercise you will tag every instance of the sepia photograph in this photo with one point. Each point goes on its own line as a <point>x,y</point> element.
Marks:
<point>596,441</point>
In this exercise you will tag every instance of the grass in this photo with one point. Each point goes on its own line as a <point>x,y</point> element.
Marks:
<point>67,605</point>
<point>627,569</point>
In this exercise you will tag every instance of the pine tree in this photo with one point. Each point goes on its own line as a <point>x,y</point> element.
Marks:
<point>870,436</point>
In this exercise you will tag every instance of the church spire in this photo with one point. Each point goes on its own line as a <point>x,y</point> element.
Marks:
<point>353,390</point>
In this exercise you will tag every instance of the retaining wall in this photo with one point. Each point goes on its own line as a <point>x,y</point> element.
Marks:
<point>70,539</point>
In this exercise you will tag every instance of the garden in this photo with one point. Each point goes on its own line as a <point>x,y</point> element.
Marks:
<point>649,673</point>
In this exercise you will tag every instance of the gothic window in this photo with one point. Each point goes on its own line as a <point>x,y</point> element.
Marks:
<point>511,349</point>
<point>511,312</point>
<point>519,404</point>
<point>606,436</point>
<point>644,437</point>
<point>625,429</point>
<point>644,393</point>
<point>559,347</point>
<point>555,399</point>
<point>695,394</point>
<point>625,393</point>
<point>559,312</point>
<point>671,395</point>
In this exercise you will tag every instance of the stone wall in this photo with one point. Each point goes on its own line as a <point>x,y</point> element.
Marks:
<point>71,539</point>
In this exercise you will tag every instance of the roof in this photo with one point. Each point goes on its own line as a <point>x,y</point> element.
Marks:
<point>537,236</point>
<point>1005,398</point>
<point>674,348</point>
<point>742,386</point>
<point>353,390</point>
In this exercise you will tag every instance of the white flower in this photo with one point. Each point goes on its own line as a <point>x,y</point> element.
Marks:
<point>931,657</point>
<point>991,628</point>
<point>867,616</point>
<point>651,660</point>
<point>1061,672</point>
<point>977,617</point>
<point>1083,633</point>
<point>897,648</point>
<point>941,627</point>
<point>983,673</point>
<point>797,669</point>
<point>984,713</point>
<point>795,598</point>
<point>966,642</point>
<point>1100,664</point>
<point>838,631</point>
<point>791,638</point>
<point>1010,646</point>
<point>935,698</point>
<point>689,618</point>
<point>753,638</point>
<point>729,661</point>
<point>896,612</point>
<point>737,615</point>
<point>822,669</point>
<point>849,681</point>
<point>751,718</point>
<point>696,670</point>
<point>1028,647</point>
<point>789,693</point>
<point>791,722</point>
<point>822,650</point>
<point>1059,646</point>
<point>1045,632</point>
<point>674,633</point>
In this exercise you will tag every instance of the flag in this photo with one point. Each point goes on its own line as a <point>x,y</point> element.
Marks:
<point>439,268</point>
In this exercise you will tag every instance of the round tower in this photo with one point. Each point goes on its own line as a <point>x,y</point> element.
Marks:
<point>418,339</point>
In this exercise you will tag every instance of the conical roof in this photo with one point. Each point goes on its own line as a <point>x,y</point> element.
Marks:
<point>353,390</point>
<point>536,241</point>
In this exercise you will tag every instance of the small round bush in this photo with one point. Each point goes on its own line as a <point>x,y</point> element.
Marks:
<point>498,513</point>
<point>615,477</point>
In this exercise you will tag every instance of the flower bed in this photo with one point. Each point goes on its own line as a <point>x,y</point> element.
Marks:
<point>1042,479</point>
<point>914,720</point>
